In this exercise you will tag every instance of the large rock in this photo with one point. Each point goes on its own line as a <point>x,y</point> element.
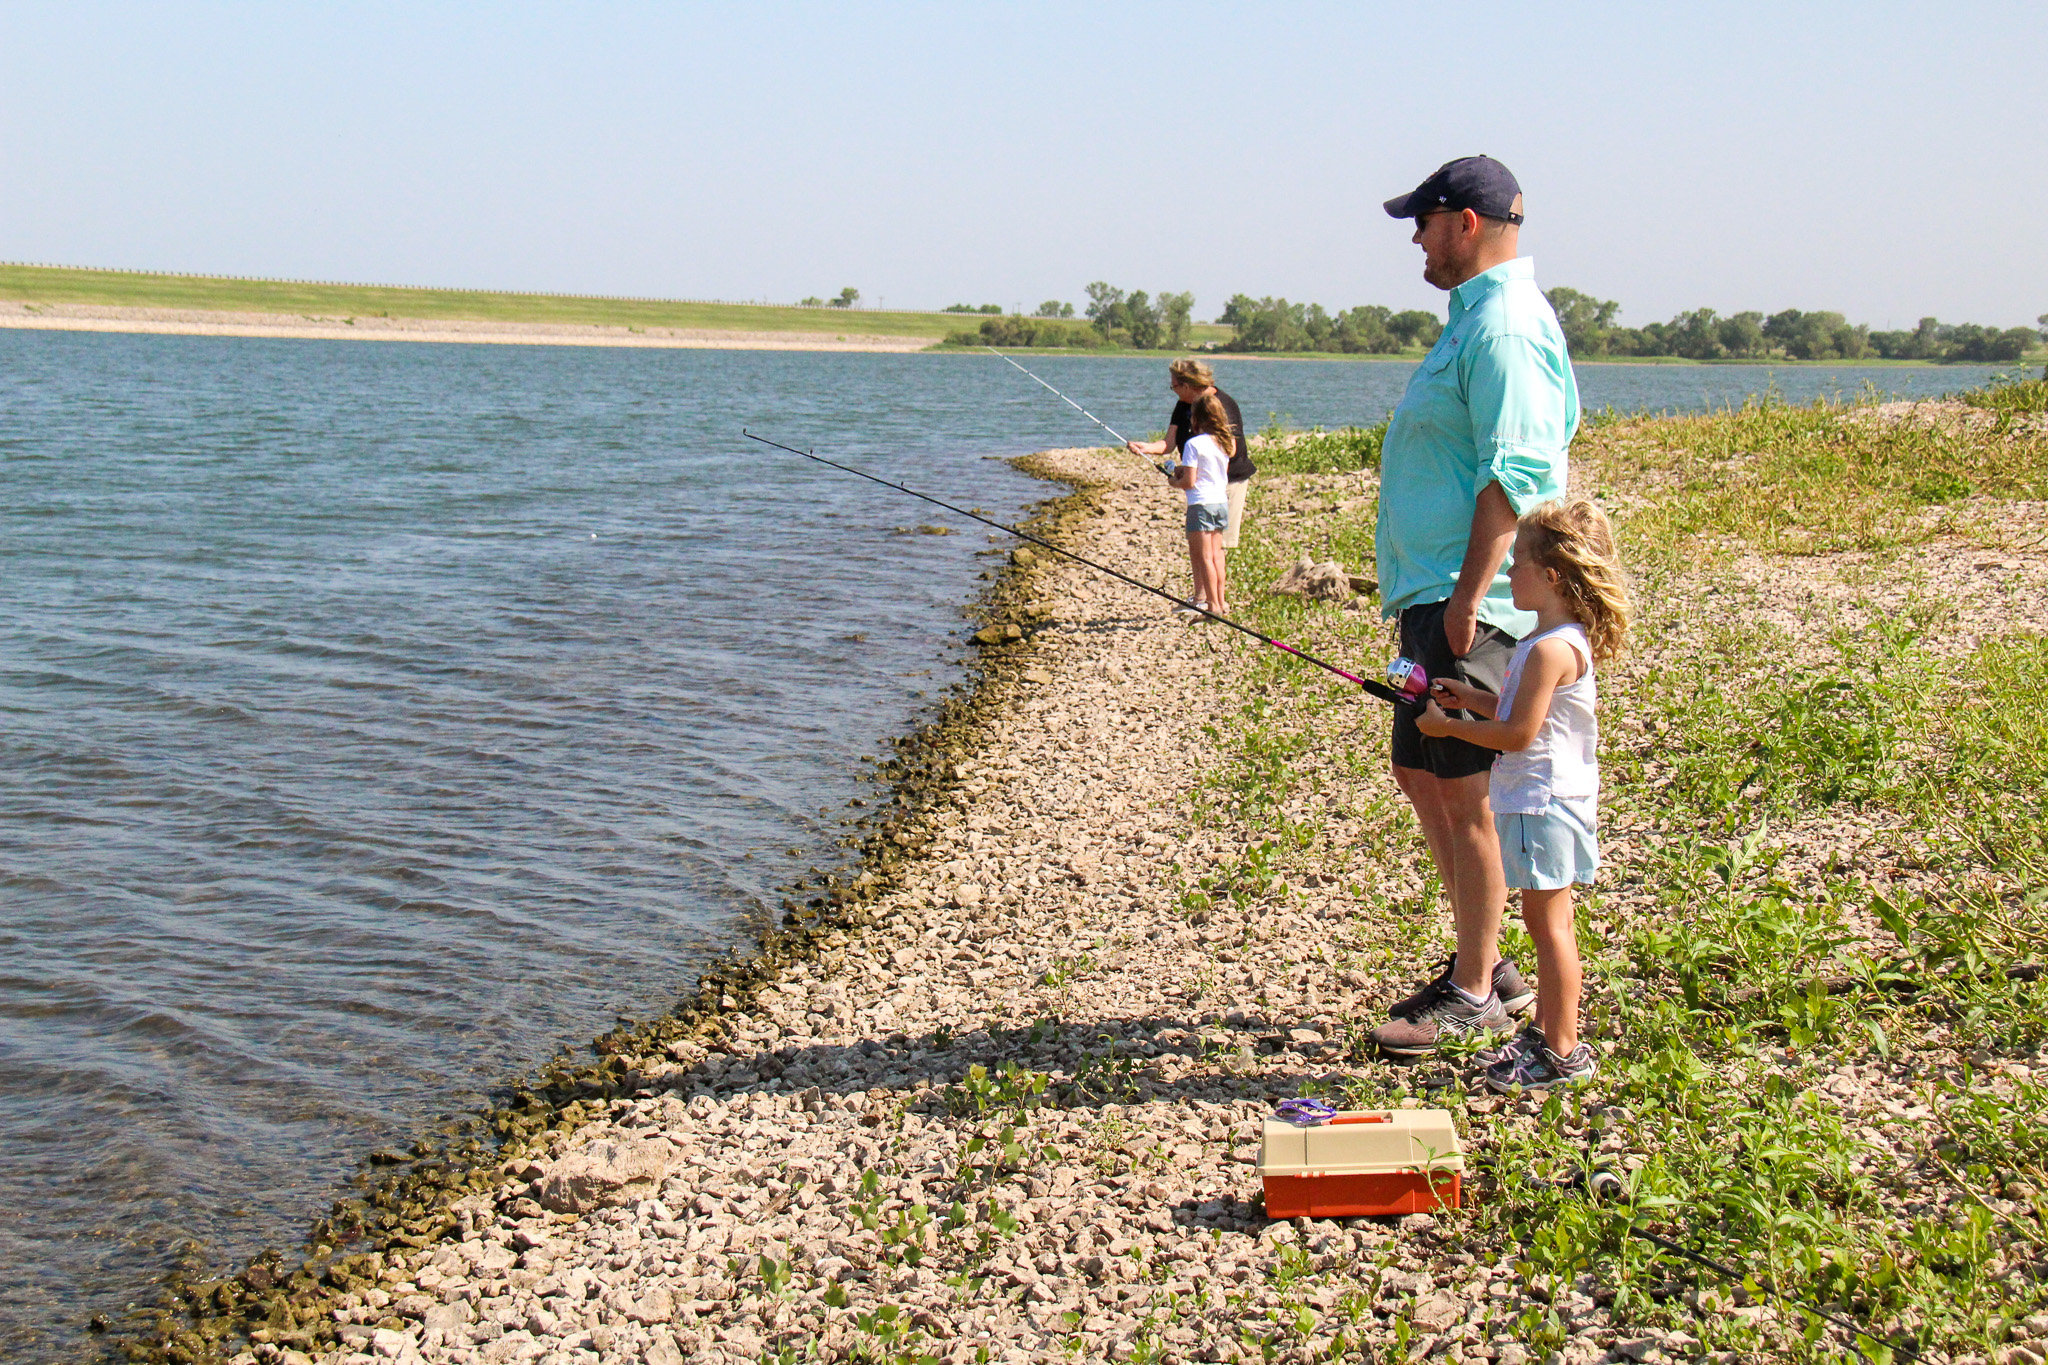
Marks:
<point>1329,581</point>
<point>604,1173</point>
<point>450,1317</point>
<point>1438,1312</point>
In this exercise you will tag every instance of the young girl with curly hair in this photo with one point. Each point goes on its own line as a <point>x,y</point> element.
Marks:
<point>1545,784</point>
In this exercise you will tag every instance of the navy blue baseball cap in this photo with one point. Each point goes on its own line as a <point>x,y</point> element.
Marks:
<point>1478,183</point>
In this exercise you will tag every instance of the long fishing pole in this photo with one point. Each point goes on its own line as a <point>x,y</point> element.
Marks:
<point>1063,398</point>
<point>1380,690</point>
<point>1857,1332</point>
<point>1602,1183</point>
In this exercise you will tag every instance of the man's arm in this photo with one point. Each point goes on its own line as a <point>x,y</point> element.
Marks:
<point>1518,395</point>
<point>1493,535</point>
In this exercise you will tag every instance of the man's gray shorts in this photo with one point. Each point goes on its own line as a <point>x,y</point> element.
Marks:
<point>1422,639</point>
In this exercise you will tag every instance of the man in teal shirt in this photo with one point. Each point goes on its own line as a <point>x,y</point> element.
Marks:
<point>1479,438</point>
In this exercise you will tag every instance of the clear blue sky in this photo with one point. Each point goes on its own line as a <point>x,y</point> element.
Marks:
<point>1887,160</point>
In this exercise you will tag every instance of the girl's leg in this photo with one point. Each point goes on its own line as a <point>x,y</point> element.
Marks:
<point>1198,567</point>
<point>1218,597</point>
<point>1548,914</point>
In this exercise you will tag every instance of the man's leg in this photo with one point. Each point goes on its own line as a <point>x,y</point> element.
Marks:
<point>1457,823</point>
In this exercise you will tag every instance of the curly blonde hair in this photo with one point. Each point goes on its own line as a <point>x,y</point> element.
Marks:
<point>1194,373</point>
<point>1575,541</point>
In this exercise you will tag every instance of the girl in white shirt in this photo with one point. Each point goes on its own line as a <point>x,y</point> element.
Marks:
<point>1203,474</point>
<point>1545,784</point>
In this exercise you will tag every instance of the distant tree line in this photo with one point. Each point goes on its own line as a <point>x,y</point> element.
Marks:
<point>1116,319</point>
<point>1135,319</point>
<point>1120,319</point>
<point>1271,324</point>
<point>1703,334</point>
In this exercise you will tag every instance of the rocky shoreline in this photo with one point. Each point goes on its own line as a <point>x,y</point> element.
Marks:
<point>995,1097</point>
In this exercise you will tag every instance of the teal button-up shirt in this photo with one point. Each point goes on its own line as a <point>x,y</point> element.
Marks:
<point>1494,401</point>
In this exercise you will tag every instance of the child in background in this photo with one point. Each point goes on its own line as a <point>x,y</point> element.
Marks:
<point>1203,474</point>
<point>1545,784</point>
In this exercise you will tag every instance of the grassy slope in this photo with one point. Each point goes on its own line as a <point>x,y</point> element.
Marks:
<point>1819,870</point>
<point>38,284</point>
<point>114,288</point>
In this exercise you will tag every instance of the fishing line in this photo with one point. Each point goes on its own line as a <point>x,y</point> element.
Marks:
<point>1380,690</point>
<point>1062,397</point>
<point>1603,1183</point>
<point>1730,1273</point>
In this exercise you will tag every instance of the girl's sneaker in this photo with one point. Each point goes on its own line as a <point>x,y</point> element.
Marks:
<point>1539,1068</point>
<point>1521,1045</point>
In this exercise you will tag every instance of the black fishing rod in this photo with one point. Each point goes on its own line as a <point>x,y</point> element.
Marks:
<point>1380,690</point>
<point>1857,1332</point>
<point>1603,1184</point>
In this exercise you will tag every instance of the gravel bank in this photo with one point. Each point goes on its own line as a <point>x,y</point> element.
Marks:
<point>853,1164</point>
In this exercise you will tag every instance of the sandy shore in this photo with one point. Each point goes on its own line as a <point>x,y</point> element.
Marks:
<point>192,322</point>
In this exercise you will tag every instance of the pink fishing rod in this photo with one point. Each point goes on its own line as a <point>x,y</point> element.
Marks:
<point>1377,689</point>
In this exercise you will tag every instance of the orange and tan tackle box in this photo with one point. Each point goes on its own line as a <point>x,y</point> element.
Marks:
<point>1361,1163</point>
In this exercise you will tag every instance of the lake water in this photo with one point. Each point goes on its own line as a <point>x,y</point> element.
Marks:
<point>380,719</point>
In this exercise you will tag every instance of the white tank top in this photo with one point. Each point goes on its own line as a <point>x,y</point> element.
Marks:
<point>1563,760</point>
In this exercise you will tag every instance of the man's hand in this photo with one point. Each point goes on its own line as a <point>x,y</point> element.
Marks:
<point>1461,626</point>
<point>1433,722</point>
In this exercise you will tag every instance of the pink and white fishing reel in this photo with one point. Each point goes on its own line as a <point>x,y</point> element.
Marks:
<point>1407,677</point>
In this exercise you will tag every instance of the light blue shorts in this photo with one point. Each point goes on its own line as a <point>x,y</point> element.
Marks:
<point>1552,848</point>
<point>1208,516</point>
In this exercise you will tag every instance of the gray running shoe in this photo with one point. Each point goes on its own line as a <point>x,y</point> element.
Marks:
<point>1515,995</point>
<point>1523,1043</point>
<point>1540,1069</point>
<point>1445,1013</point>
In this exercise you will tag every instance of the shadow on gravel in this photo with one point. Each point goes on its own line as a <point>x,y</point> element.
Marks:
<point>1086,1065</point>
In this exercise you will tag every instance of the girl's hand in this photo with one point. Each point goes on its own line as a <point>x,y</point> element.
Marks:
<point>1453,692</point>
<point>1433,722</point>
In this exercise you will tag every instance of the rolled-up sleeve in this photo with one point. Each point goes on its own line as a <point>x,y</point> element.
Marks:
<point>1524,412</point>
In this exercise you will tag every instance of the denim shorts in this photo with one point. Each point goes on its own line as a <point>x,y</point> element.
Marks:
<point>1553,847</point>
<point>1208,516</point>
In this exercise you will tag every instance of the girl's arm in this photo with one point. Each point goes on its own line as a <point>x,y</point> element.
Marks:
<point>1550,665</point>
<point>1463,696</point>
<point>1184,477</point>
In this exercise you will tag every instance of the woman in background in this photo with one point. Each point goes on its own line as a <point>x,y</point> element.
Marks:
<point>1203,474</point>
<point>1192,380</point>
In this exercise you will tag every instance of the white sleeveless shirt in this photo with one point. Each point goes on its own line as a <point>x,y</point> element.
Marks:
<point>1562,762</point>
